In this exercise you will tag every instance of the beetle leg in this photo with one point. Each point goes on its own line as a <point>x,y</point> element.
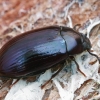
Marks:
<point>14,82</point>
<point>77,66</point>
<point>77,26</point>
<point>31,78</point>
<point>6,83</point>
<point>52,77</point>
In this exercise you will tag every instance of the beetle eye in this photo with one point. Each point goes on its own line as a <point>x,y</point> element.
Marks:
<point>82,37</point>
<point>85,41</point>
<point>86,35</point>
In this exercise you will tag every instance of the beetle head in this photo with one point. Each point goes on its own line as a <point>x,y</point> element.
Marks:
<point>86,42</point>
<point>87,45</point>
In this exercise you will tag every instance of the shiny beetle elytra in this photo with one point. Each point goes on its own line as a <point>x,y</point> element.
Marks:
<point>38,50</point>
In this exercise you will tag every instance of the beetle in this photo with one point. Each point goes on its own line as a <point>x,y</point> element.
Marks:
<point>37,50</point>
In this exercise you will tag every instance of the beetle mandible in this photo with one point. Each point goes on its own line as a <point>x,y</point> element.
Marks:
<point>38,50</point>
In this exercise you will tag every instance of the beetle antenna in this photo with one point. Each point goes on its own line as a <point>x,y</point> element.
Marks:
<point>94,55</point>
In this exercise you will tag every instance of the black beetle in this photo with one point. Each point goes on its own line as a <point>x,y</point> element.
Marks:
<point>38,50</point>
